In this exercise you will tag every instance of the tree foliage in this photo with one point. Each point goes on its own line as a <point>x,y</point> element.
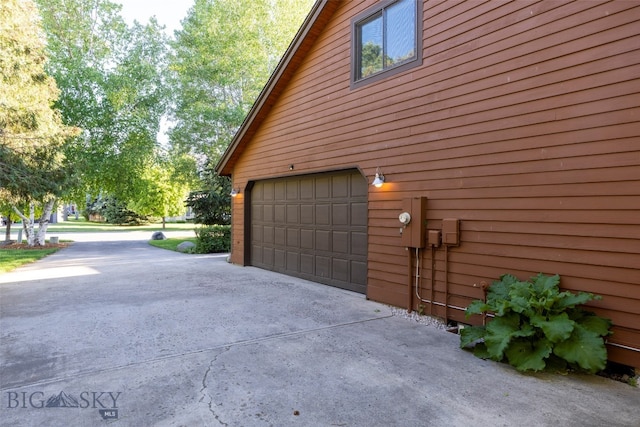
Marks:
<point>222,58</point>
<point>113,84</point>
<point>33,169</point>
<point>212,204</point>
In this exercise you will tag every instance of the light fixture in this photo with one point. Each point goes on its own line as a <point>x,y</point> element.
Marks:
<point>378,180</point>
<point>235,192</point>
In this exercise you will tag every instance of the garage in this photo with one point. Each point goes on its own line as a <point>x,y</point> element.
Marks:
<point>313,227</point>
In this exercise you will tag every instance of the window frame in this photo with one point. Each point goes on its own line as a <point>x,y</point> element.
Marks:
<point>363,18</point>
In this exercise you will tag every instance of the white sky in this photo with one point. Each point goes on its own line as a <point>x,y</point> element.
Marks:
<point>168,12</point>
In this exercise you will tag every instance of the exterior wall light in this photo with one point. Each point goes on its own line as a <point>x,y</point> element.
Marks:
<point>235,192</point>
<point>378,180</point>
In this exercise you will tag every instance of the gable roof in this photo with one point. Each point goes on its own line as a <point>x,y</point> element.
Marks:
<point>306,36</point>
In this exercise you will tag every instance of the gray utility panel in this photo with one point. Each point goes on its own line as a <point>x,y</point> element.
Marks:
<point>313,227</point>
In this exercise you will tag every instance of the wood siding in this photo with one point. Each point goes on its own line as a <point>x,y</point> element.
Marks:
<point>523,122</point>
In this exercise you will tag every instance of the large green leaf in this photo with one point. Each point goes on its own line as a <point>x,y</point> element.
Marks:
<point>499,333</point>
<point>525,355</point>
<point>555,327</point>
<point>583,348</point>
<point>477,307</point>
<point>593,323</point>
<point>542,283</point>
<point>519,295</point>
<point>568,299</point>
<point>480,351</point>
<point>499,290</point>
<point>471,334</point>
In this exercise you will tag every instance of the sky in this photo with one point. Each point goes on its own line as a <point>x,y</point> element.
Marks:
<point>168,12</point>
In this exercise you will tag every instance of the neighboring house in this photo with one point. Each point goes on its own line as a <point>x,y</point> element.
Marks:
<point>521,120</point>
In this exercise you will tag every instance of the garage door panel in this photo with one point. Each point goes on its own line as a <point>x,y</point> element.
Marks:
<point>340,186</point>
<point>340,269</point>
<point>358,243</point>
<point>323,188</point>
<point>340,214</point>
<point>268,256</point>
<point>280,190</point>
<point>306,214</point>
<point>312,226</point>
<point>306,189</point>
<point>267,191</point>
<point>293,261</point>
<point>267,213</point>
<point>323,266</point>
<point>340,240</point>
<point>359,188</point>
<point>323,240</point>
<point>279,214</point>
<point>279,259</point>
<point>267,233</point>
<point>306,239</point>
<point>359,214</point>
<point>359,273</point>
<point>293,238</point>
<point>306,264</point>
<point>323,214</point>
<point>292,190</point>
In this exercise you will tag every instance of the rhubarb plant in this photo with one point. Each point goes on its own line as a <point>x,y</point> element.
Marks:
<point>536,326</point>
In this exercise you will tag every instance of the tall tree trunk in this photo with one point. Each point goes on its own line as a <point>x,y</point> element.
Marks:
<point>43,223</point>
<point>27,222</point>
<point>7,232</point>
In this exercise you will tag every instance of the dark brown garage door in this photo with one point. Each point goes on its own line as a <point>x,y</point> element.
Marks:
<point>312,226</point>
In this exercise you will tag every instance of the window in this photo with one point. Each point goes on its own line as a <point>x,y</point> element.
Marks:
<point>386,38</point>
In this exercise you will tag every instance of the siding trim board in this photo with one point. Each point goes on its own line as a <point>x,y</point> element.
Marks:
<point>522,122</point>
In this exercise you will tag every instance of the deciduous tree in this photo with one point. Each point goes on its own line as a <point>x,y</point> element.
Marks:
<point>32,166</point>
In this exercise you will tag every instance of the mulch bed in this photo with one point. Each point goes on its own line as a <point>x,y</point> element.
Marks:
<point>15,245</point>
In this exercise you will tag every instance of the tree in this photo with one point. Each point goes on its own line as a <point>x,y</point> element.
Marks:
<point>113,84</point>
<point>212,204</point>
<point>32,167</point>
<point>164,187</point>
<point>222,58</point>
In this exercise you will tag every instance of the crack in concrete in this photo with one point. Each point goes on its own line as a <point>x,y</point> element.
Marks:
<point>250,341</point>
<point>204,390</point>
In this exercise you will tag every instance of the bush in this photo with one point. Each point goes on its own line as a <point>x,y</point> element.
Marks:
<point>536,326</point>
<point>213,238</point>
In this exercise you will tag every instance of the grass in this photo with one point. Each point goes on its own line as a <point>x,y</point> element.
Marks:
<point>171,243</point>
<point>81,225</point>
<point>13,258</point>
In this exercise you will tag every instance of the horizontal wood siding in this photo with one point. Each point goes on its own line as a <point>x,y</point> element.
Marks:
<point>523,122</point>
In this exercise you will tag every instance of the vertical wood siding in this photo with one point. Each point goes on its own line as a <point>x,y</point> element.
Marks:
<point>523,122</point>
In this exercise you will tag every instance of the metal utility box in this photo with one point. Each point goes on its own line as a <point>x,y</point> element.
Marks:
<point>451,231</point>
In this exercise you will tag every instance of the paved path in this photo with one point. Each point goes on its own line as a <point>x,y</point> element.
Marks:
<point>116,331</point>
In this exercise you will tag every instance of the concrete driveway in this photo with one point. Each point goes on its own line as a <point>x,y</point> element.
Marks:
<point>114,331</point>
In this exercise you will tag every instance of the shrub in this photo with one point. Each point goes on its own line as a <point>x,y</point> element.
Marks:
<point>213,238</point>
<point>536,326</point>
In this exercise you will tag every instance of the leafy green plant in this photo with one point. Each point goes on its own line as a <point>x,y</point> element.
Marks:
<point>213,238</point>
<point>536,326</point>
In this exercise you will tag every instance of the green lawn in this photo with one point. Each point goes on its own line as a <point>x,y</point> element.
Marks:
<point>81,225</point>
<point>14,258</point>
<point>171,243</point>
<point>11,258</point>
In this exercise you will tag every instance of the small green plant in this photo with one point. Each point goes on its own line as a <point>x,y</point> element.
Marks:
<point>536,326</point>
<point>213,238</point>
